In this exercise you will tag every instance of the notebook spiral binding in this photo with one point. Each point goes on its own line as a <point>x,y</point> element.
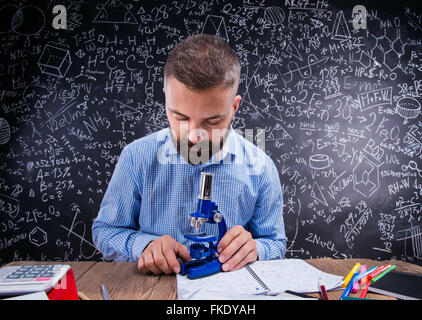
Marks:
<point>257,278</point>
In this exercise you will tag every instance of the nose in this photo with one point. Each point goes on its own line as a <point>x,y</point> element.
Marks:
<point>196,135</point>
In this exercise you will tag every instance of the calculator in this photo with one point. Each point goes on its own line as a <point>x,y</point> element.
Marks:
<point>16,280</point>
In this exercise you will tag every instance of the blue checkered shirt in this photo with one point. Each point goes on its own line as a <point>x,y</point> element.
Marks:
<point>153,189</point>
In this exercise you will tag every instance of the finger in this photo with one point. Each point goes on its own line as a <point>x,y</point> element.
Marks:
<point>149,263</point>
<point>170,256</point>
<point>160,261</point>
<point>251,257</point>
<point>182,252</point>
<point>243,252</point>
<point>228,237</point>
<point>234,246</point>
<point>141,265</point>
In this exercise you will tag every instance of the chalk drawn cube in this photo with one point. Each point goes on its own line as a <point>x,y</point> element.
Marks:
<point>38,237</point>
<point>55,60</point>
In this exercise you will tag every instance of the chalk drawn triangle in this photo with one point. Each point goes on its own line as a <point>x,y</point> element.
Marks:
<point>291,48</point>
<point>215,25</point>
<point>316,193</point>
<point>317,23</point>
<point>278,133</point>
<point>123,110</point>
<point>114,12</point>
<point>340,28</point>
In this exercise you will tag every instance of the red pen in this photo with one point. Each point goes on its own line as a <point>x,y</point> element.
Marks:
<point>377,272</point>
<point>322,290</point>
<point>365,290</point>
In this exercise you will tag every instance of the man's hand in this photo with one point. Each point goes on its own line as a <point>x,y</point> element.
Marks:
<point>237,248</point>
<point>160,256</point>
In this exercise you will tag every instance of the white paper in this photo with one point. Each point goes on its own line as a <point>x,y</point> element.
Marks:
<point>278,275</point>
<point>216,295</point>
<point>233,282</point>
<point>295,275</point>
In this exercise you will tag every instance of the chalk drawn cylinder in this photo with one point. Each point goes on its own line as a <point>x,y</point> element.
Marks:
<point>408,108</point>
<point>319,161</point>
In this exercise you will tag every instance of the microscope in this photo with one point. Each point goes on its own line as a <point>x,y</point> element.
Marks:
<point>204,258</point>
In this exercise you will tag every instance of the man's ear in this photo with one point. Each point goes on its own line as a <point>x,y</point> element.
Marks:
<point>236,103</point>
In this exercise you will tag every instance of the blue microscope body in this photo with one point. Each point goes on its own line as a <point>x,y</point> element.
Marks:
<point>204,258</point>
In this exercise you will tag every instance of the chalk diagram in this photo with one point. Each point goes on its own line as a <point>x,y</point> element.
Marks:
<point>294,52</point>
<point>304,71</point>
<point>387,51</point>
<point>55,60</point>
<point>408,108</point>
<point>414,234</point>
<point>292,227</point>
<point>316,193</point>
<point>27,21</point>
<point>319,161</point>
<point>278,133</point>
<point>38,236</point>
<point>72,230</point>
<point>4,131</point>
<point>124,111</point>
<point>274,15</point>
<point>215,25</point>
<point>340,30</point>
<point>366,176</point>
<point>114,11</point>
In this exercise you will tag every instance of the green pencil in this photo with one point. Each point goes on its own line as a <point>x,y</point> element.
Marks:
<point>382,274</point>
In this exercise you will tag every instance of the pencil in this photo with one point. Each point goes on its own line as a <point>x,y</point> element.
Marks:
<point>82,296</point>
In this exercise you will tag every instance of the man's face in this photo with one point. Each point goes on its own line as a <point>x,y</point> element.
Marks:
<point>199,119</point>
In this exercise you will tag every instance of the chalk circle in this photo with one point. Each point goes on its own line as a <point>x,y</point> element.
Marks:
<point>274,15</point>
<point>319,161</point>
<point>408,108</point>
<point>4,131</point>
<point>28,20</point>
<point>7,13</point>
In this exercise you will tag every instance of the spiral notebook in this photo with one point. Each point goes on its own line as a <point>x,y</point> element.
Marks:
<point>269,277</point>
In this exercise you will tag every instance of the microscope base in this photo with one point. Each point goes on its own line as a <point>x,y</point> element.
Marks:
<point>200,268</point>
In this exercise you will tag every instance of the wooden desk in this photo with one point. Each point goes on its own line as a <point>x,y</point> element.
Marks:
<point>125,282</point>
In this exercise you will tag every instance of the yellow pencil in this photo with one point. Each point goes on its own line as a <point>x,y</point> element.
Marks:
<point>350,275</point>
<point>82,296</point>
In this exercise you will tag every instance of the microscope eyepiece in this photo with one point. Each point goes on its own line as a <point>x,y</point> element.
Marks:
<point>206,186</point>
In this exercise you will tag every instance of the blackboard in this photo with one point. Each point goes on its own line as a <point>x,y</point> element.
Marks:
<point>337,93</point>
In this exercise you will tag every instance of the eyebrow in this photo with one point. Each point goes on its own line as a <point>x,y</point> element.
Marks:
<point>208,118</point>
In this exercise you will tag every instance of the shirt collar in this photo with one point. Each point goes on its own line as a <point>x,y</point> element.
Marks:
<point>231,146</point>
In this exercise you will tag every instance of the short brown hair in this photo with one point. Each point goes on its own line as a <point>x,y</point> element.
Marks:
<point>203,61</point>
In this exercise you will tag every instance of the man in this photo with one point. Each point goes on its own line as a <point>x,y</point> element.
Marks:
<point>155,185</point>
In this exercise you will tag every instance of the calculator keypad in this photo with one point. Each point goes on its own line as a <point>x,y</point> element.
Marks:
<point>33,273</point>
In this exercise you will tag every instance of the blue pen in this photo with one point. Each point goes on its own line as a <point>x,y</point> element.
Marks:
<point>365,274</point>
<point>349,286</point>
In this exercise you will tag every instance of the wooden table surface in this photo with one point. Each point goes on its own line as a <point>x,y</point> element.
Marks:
<point>125,282</point>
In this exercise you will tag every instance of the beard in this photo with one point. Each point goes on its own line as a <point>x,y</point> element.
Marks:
<point>201,152</point>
